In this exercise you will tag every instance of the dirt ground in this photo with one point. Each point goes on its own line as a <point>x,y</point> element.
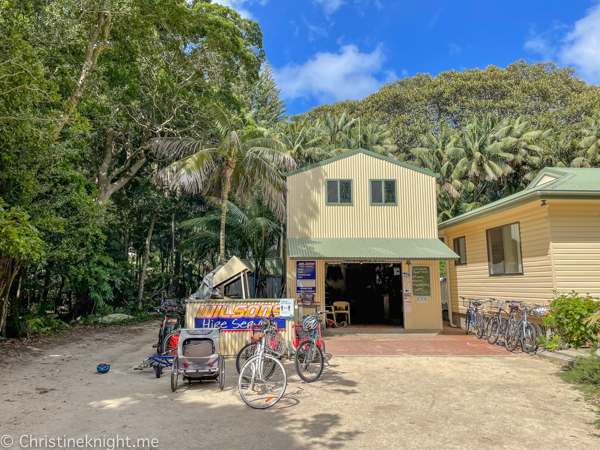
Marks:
<point>382,402</point>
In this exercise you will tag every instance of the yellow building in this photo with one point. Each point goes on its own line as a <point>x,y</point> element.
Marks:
<point>362,228</point>
<point>524,247</point>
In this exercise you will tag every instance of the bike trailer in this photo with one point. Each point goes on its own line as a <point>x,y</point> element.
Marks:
<point>198,356</point>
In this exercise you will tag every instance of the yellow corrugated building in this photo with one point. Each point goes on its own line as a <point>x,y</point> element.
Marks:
<point>362,228</point>
<point>525,247</point>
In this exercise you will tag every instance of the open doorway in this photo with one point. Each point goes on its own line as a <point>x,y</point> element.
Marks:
<point>373,290</point>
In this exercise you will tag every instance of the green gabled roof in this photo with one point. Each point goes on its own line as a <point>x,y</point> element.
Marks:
<point>571,183</point>
<point>367,248</point>
<point>366,152</point>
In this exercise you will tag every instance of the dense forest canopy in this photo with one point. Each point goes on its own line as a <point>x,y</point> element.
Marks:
<point>143,142</point>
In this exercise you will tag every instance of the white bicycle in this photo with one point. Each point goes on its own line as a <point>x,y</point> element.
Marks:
<point>263,380</point>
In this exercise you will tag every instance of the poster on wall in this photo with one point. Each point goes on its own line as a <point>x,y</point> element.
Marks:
<point>306,277</point>
<point>421,279</point>
<point>231,317</point>
<point>407,305</point>
<point>421,299</point>
<point>286,308</point>
<point>407,288</point>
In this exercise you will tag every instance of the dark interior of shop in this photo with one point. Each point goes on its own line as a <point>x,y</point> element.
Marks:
<point>373,290</point>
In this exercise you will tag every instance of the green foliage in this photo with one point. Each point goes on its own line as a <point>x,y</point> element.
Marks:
<point>19,239</point>
<point>567,315</point>
<point>585,370</point>
<point>46,324</point>
<point>551,344</point>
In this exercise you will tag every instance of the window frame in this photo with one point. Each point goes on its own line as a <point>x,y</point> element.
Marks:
<point>457,261</point>
<point>339,203</point>
<point>487,231</point>
<point>383,180</point>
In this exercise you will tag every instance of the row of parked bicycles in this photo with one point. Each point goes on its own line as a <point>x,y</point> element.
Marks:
<point>504,322</point>
<point>194,355</point>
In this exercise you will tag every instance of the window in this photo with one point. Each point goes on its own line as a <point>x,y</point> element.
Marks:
<point>460,248</point>
<point>504,250</point>
<point>339,192</point>
<point>383,192</point>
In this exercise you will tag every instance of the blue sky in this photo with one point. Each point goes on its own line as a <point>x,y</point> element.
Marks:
<point>324,51</point>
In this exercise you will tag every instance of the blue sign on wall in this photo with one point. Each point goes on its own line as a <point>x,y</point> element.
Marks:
<point>306,277</point>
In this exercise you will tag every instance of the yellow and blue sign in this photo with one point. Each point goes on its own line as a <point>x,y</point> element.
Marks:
<point>237,317</point>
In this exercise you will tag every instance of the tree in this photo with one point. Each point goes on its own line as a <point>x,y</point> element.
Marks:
<point>260,100</point>
<point>544,94</point>
<point>304,141</point>
<point>589,145</point>
<point>243,160</point>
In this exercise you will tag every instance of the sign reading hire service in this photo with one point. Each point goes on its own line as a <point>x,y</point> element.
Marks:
<point>306,277</point>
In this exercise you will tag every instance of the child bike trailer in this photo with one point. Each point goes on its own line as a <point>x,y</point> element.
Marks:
<point>198,357</point>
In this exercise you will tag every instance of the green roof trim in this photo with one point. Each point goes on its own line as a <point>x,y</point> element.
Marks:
<point>366,152</point>
<point>367,248</point>
<point>570,184</point>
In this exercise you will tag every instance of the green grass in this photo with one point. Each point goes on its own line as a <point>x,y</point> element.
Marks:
<point>585,375</point>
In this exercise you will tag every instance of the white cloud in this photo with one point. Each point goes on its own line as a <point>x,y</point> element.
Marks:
<point>330,77</point>
<point>329,6</point>
<point>238,5</point>
<point>579,47</point>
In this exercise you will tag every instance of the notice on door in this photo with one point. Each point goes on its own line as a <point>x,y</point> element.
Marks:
<point>421,281</point>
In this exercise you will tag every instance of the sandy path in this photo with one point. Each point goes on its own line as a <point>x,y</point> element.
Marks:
<point>361,402</point>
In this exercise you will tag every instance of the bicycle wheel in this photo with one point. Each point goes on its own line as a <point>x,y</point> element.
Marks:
<point>323,346</point>
<point>493,330</point>
<point>257,390</point>
<point>243,355</point>
<point>169,344</point>
<point>174,375</point>
<point>158,370</point>
<point>479,326</point>
<point>467,322</point>
<point>529,339</point>
<point>512,336</point>
<point>309,361</point>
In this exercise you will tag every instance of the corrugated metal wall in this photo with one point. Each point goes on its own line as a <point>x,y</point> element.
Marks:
<point>575,234</point>
<point>233,341</point>
<point>428,315</point>
<point>473,279</point>
<point>413,217</point>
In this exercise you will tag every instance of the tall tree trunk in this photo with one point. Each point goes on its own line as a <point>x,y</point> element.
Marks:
<point>146,258</point>
<point>172,257</point>
<point>97,43</point>
<point>230,165</point>
<point>11,273</point>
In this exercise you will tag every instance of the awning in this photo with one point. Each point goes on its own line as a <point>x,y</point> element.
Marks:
<point>230,272</point>
<point>366,248</point>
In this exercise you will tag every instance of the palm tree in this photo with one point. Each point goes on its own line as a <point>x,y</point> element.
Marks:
<point>253,231</point>
<point>589,155</point>
<point>372,137</point>
<point>479,155</point>
<point>242,161</point>
<point>304,141</point>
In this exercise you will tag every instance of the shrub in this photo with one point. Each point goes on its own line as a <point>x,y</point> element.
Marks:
<point>584,371</point>
<point>46,324</point>
<point>567,316</point>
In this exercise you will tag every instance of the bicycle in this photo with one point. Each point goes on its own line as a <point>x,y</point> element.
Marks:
<point>273,341</point>
<point>263,380</point>
<point>174,319</point>
<point>522,331</point>
<point>499,325</point>
<point>309,359</point>
<point>475,317</point>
